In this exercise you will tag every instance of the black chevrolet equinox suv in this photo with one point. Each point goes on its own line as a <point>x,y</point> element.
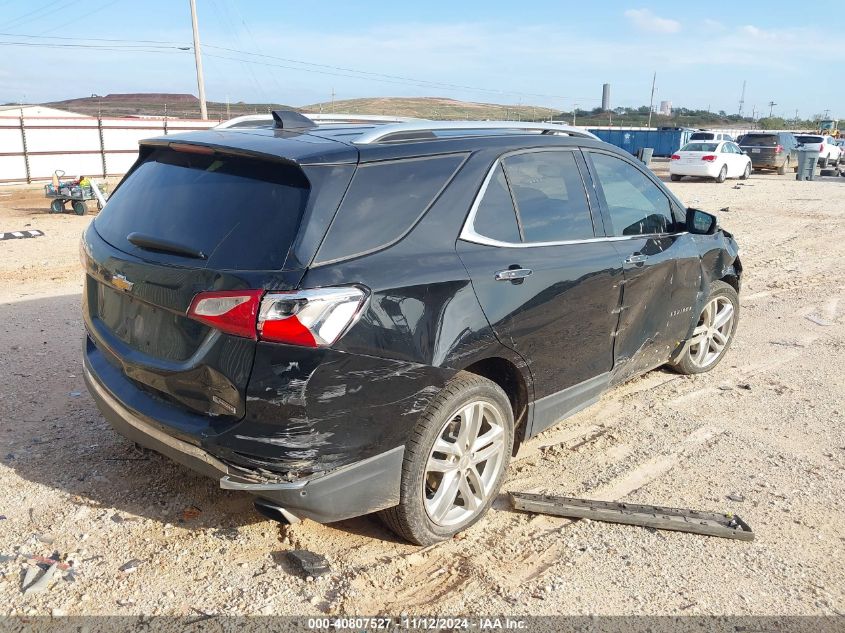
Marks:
<point>351,318</point>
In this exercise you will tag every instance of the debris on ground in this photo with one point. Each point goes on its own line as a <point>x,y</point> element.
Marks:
<point>191,513</point>
<point>130,566</point>
<point>42,583</point>
<point>658,517</point>
<point>308,563</point>
<point>47,561</point>
<point>818,320</point>
<point>736,497</point>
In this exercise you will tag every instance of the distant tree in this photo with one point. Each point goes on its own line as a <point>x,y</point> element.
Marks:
<point>772,123</point>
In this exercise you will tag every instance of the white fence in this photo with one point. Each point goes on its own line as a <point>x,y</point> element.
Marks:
<point>32,148</point>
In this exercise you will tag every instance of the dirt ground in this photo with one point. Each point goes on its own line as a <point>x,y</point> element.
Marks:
<point>763,436</point>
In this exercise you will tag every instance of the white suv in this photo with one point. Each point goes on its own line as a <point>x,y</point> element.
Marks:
<point>704,135</point>
<point>829,151</point>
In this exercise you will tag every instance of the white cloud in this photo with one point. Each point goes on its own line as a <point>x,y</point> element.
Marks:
<point>645,20</point>
<point>713,25</point>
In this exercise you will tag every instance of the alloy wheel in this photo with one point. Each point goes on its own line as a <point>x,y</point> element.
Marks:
<point>712,334</point>
<point>464,464</point>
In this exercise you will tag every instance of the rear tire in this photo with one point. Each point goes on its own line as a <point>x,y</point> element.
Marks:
<point>675,177</point>
<point>57,206</point>
<point>713,333</point>
<point>824,161</point>
<point>722,174</point>
<point>782,169</point>
<point>79,208</point>
<point>747,173</point>
<point>446,486</point>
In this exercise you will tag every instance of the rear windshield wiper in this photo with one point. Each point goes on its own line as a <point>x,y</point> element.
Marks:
<point>150,243</point>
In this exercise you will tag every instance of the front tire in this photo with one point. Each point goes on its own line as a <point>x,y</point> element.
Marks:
<point>713,334</point>
<point>722,174</point>
<point>455,461</point>
<point>747,173</point>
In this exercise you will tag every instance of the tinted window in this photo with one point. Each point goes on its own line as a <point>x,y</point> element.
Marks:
<point>383,202</point>
<point>636,205</point>
<point>758,140</point>
<point>242,213</point>
<point>809,139</point>
<point>702,136</point>
<point>549,196</point>
<point>496,217</point>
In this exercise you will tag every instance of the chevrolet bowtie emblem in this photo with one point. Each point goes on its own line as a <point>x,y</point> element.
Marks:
<point>121,282</point>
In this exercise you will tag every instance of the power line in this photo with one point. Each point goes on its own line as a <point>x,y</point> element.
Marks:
<point>134,48</point>
<point>299,65</point>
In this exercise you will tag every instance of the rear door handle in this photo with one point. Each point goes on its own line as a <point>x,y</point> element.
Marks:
<point>513,273</point>
<point>636,258</point>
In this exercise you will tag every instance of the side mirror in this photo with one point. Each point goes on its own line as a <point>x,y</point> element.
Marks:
<point>700,222</point>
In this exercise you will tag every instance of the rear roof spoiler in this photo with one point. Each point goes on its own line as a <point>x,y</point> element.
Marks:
<point>290,120</point>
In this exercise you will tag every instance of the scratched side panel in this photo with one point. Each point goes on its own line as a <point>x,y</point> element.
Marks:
<point>314,410</point>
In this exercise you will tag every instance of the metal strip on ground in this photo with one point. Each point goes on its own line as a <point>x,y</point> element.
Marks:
<point>662,518</point>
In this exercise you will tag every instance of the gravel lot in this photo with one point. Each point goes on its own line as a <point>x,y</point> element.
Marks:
<point>765,427</point>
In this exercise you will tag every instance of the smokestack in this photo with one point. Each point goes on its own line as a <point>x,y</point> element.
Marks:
<point>605,97</point>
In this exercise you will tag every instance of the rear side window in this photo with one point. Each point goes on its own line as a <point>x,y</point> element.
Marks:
<point>810,139</point>
<point>241,213</point>
<point>759,140</point>
<point>700,147</point>
<point>383,202</point>
<point>635,204</point>
<point>496,217</point>
<point>550,197</point>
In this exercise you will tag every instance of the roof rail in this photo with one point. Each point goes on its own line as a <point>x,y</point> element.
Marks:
<point>413,129</point>
<point>359,118</point>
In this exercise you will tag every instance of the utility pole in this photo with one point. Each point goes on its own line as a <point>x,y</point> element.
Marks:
<point>742,99</point>
<point>198,60</point>
<point>574,113</point>
<point>771,105</point>
<point>332,107</point>
<point>651,101</point>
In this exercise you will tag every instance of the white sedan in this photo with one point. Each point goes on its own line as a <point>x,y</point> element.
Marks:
<point>713,159</point>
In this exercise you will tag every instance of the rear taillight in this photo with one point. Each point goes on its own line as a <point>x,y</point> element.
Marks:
<point>232,311</point>
<point>676,157</point>
<point>709,158</point>
<point>313,318</point>
<point>821,147</point>
<point>778,149</point>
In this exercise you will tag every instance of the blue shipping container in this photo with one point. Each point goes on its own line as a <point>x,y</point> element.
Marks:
<point>665,142</point>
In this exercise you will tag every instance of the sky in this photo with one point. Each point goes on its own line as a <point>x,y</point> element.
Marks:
<point>543,53</point>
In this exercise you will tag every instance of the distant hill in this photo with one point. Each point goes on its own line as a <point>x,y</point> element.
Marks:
<point>432,108</point>
<point>158,104</point>
<point>187,106</point>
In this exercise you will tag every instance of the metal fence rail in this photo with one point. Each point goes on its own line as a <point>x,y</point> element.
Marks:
<point>32,148</point>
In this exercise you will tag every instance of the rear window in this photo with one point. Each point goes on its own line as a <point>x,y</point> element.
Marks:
<point>759,140</point>
<point>700,147</point>
<point>496,217</point>
<point>241,213</point>
<point>702,136</point>
<point>384,202</point>
<point>809,139</point>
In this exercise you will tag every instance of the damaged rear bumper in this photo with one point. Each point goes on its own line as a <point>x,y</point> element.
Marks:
<point>352,490</point>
